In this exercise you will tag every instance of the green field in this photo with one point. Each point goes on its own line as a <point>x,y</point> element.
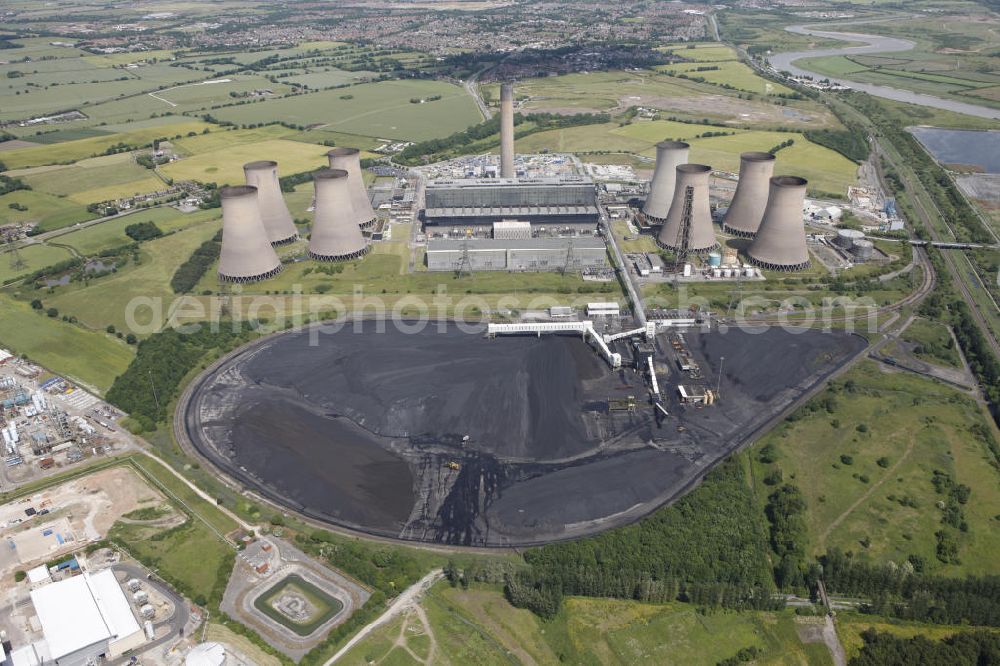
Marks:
<point>734,74</point>
<point>111,234</point>
<point>376,109</point>
<point>225,165</point>
<point>935,344</point>
<point>92,359</point>
<point>33,257</point>
<point>94,180</point>
<point>324,606</point>
<point>850,626</point>
<point>106,300</point>
<point>826,170</point>
<point>895,429</point>
<point>47,211</point>
<point>72,151</point>
<point>479,626</point>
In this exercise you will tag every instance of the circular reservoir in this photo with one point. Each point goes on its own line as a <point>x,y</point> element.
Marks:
<point>442,435</point>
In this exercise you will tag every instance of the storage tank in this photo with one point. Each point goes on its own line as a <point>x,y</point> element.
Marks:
<point>846,238</point>
<point>687,270</point>
<point>726,272</point>
<point>669,155</point>
<point>134,584</point>
<point>273,212</point>
<point>147,612</point>
<point>714,259</point>
<point>506,130</point>
<point>701,237</point>
<point>863,250</point>
<point>747,208</point>
<point>748,272</point>
<point>140,597</point>
<point>335,234</point>
<point>247,255</point>
<point>716,272</point>
<point>780,243</point>
<point>349,159</point>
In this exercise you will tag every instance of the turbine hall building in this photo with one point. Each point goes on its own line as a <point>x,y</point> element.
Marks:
<point>535,254</point>
<point>553,206</point>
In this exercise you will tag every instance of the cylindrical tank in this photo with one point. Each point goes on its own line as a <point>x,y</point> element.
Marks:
<point>748,272</point>
<point>335,233</point>
<point>701,235</point>
<point>716,272</point>
<point>507,130</point>
<point>846,238</point>
<point>247,255</point>
<point>863,250</point>
<point>687,270</point>
<point>669,155</point>
<point>780,243</point>
<point>727,272</point>
<point>140,597</point>
<point>273,212</point>
<point>349,159</point>
<point>747,208</point>
<point>714,259</point>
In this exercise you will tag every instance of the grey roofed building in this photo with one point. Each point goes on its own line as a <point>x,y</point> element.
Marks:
<point>567,200</point>
<point>535,254</point>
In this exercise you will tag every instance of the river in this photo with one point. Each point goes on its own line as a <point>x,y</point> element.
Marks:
<point>871,44</point>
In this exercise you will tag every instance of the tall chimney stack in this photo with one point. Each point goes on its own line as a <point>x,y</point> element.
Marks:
<point>507,130</point>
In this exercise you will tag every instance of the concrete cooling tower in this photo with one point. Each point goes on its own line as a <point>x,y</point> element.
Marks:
<point>747,208</point>
<point>507,130</point>
<point>336,235</point>
<point>349,159</point>
<point>247,255</point>
<point>273,211</point>
<point>780,243</point>
<point>669,155</point>
<point>701,236</point>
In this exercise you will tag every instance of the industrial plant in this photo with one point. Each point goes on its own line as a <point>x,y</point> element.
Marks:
<point>513,222</point>
<point>747,207</point>
<point>780,242</point>
<point>336,235</point>
<point>247,254</point>
<point>274,213</point>
<point>349,159</point>
<point>688,224</point>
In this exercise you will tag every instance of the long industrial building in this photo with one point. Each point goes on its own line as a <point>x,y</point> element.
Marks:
<point>568,204</point>
<point>535,254</point>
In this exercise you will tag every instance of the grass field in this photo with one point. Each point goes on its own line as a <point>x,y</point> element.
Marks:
<point>479,626</point>
<point>734,74</point>
<point>850,626</point>
<point>95,179</point>
<point>225,165</point>
<point>92,359</point>
<point>47,211</point>
<point>34,257</point>
<point>895,430</point>
<point>112,233</point>
<point>375,109</point>
<point>826,170</point>
<point>72,151</point>
<point>936,344</point>
<point>106,301</point>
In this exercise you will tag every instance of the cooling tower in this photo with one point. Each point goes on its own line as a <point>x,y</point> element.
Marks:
<point>349,159</point>
<point>273,211</point>
<point>669,155</point>
<point>507,130</point>
<point>701,236</point>
<point>780,243</point>
<point>247,255</point>
<point>747,207</point>
<point>335,233</point>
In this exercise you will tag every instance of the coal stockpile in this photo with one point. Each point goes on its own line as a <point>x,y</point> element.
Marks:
<point>445,436</point>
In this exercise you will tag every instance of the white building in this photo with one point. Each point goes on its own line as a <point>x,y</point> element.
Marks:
<point>83,618</point>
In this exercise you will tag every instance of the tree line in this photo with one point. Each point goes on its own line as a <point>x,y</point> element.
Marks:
<point>191,271</point>
<point>710,548</point>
